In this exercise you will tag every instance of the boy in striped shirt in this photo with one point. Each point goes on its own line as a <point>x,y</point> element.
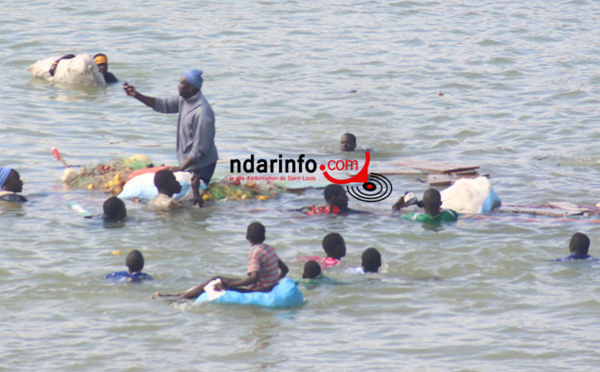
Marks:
<point>263,265</point>
<point>263,272</point>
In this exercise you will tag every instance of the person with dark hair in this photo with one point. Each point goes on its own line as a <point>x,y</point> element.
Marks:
<point>196,150</point>
<point>431,203</point>
<point>337,202</point>
<point>114,210</point>
<point>264,269</point>
<point>579,247</point>
<point>10,185</point>
<point>348,142</point>
<point>334,247</point>
<point>102,63</point>
<point>371,260</point>
<point>167,185</point>
<point>312,270</point>
<point>135,264</point>
<point>312,276</point>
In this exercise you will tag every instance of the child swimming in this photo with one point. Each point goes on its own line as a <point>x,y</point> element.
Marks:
<point>348,142</point>
<point>334,247</point>
<point>114,210</point>
<point>10,185</point>
<point>135,264</point>
<point>370,261</point>
<point>312,276</point>
<point>337,202</point>
<point>312,270</point>
<point>579,247</point>
<point>432,202</point>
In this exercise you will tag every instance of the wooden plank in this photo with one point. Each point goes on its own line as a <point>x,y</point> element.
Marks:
<point>568,206</point>
<point>537,211</point>
<point>436,167</point>
<point>439,180</point>
<point>465,173</point>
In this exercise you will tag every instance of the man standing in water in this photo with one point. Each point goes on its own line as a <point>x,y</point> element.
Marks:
<point>196,150</point>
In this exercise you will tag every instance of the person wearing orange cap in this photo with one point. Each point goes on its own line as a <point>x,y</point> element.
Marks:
<point>102,63</point>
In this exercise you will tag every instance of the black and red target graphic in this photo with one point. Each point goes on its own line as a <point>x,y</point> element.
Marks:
<point>376,189</point>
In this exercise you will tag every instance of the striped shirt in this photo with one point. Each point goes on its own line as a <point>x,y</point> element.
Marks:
<point>264,259</point>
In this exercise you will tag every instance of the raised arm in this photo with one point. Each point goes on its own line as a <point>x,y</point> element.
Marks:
<point>132,92</point>
<point>55,63</point>
<point>405,200</point>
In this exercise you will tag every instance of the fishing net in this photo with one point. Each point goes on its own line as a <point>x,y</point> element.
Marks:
<point>235,190</point>
<point>108,177</point>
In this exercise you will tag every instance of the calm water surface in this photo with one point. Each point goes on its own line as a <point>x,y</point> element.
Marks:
<point>520,99</point>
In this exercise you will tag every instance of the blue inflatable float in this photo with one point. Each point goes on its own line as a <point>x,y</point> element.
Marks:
<point>284,294</point>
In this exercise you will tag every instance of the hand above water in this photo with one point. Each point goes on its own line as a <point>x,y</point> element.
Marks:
<point>129,89</point>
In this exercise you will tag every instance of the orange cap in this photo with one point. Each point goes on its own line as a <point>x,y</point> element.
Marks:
<point>100,59</point>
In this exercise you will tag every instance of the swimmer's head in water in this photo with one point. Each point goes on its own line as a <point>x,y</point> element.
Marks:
<point>312,269</point>
<point>348,142</point>
<point>256,233</point>
<point>190,83</point>
<point>432,201</point>
<point>166,183</point>
<point>10,180</point>
<point>135,261</point>
<point>579,244</point>
<point>114,210</point>
<point>334,246</point>
<point>336,195</point>
<point>102,62</point>
<point>371,260</point>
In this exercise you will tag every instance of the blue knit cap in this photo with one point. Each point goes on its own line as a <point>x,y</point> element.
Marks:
<point>194,77</point>
<point>4,172</point>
